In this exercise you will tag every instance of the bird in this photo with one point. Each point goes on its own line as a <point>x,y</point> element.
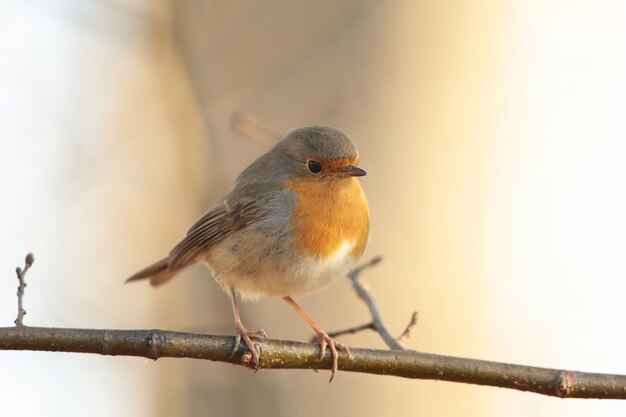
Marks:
<point>295,221</point>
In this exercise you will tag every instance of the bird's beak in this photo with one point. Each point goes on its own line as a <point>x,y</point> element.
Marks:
<point>353,171</point>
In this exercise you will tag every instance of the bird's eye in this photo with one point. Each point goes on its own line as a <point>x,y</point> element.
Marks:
<point>314,166</point>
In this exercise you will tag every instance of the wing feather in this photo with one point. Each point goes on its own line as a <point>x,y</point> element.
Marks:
<point>217,223</point>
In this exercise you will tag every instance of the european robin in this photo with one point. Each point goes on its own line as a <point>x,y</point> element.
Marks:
<point>295,222</point>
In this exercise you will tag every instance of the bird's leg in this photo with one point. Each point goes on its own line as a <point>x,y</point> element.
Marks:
<point>322,337</point>
<point>243,333</point>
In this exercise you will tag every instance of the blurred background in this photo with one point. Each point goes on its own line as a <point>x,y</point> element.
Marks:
<point>494,135</point>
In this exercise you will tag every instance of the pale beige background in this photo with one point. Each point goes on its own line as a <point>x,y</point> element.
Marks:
<point>494,138</point>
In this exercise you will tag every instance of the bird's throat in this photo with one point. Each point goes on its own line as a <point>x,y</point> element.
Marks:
<point>329,217</point>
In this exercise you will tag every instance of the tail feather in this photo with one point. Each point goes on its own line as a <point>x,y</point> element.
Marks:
<point>158,273</point>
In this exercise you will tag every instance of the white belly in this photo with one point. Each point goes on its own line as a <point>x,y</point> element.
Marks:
<point>289,276</point>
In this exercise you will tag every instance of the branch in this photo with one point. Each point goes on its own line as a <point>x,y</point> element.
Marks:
<point>279,354</point>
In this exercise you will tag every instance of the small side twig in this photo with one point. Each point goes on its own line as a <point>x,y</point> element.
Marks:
<point>409,328</point>
<point>350,330</point>
<point>253,128</point>
<point>21,274</point>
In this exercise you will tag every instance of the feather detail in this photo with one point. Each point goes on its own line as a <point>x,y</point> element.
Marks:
<point>217,223</point>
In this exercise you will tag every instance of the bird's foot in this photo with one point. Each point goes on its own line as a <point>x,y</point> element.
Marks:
<point>326,341</point>
<point>247,336</point>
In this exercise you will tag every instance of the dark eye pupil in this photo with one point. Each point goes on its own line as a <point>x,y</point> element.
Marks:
<point>315,167</point>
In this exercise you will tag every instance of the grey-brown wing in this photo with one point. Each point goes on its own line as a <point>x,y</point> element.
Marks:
<point>220,221</point>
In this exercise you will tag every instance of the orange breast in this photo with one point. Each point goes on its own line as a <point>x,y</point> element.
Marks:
<point>329,213</point>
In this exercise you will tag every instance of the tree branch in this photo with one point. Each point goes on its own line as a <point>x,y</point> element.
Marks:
<point>279,354</point>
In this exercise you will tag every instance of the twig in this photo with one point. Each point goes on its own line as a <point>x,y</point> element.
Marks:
<point>280,354</point>
<point>376,324</point>
<point>377,321</point>
<point>409,328</point>
<point>253,128</point>
<point>21,274</point>
<point>349,330</point>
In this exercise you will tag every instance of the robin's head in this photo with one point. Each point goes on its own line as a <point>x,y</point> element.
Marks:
<point>319,152</point>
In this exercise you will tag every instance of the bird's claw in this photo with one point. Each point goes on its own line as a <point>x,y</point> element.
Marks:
<point>326,341</point>
<point>242,333</point>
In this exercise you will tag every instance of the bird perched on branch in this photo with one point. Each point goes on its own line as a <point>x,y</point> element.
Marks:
<point>295,222</point>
